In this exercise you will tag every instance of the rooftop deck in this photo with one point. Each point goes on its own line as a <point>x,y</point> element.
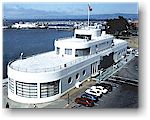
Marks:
<point>48,61</point>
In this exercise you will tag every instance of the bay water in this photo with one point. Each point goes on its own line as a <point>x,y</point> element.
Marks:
<point>29,42</point>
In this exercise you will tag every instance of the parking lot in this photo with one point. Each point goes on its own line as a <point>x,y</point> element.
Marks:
<point>122,95</point>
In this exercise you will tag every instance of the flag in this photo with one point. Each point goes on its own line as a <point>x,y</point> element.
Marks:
<point>90,8</point>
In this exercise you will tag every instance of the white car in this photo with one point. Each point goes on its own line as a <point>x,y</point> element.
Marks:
<point>95,92</point>
<point>100,88</point>
<point>137,54</point>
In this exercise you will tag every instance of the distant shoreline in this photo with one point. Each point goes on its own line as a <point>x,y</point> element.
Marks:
<point>95,17</point>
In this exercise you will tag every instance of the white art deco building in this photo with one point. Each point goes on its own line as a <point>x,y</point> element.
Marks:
<point>46,77</point>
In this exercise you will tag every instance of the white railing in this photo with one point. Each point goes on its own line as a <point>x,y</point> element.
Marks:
<point>63,38</point>
<point>84,40</point>
<point>56,68</point>
<point>35,70</point>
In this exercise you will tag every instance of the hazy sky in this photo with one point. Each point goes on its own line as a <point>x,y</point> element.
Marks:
<point>14,10</point>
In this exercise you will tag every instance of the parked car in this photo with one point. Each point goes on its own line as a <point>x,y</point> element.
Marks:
<point>84,101</point>
<point>95,92</point>
<point>105,85</point>
<point>101,88</point>
<point>91,97</point>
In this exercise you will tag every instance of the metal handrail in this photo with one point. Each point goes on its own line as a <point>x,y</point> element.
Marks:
<point>63,38</point>
<point>56,68</point>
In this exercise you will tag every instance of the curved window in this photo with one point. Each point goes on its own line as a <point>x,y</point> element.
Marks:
<point>28,90</point>
<point>11,85</point>
<point>69,80</point>
<point>49,89</point>
<point>84,72</point>
<point>77,76</point>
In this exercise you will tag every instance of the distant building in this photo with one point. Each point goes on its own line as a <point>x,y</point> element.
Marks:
<point>24,25</point>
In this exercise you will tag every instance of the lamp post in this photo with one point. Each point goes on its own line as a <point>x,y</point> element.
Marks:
<point>68,98</point>
<point>113,67</point>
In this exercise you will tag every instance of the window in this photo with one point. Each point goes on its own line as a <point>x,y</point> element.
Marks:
<point>28,90</point>
<point>57,50</point>
<point>77,76</point>
<point>82,52</point>
<point>11,85</point>
<point>88,37</point>
<point>69,80</point>
<point>49,89</point>
<point>68,51</point>
<point>84,73</point>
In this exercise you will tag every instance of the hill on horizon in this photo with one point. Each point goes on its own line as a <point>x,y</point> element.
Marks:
<point>96,16</point>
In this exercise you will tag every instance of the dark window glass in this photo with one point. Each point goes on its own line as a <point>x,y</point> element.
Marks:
<point>84,73</point>
<point>77,76</point>
<point>69,80</point>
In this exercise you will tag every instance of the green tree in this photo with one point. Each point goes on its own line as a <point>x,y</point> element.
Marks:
<point>116,26</point>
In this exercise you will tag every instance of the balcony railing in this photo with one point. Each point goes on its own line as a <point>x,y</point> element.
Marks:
<point>56,68</point>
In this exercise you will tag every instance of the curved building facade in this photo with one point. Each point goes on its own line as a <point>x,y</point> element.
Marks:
<point>46,77</point>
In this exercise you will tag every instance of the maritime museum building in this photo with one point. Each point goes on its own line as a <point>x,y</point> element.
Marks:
<point>46,77</point>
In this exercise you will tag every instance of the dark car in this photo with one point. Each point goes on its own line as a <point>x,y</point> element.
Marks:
<point>95,99</point>
<point>105,85</point>
<point>84,101</point>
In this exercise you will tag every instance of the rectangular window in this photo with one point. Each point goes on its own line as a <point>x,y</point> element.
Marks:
<point>82,52</point>
<point>88,37</point>
<point>68,51</point>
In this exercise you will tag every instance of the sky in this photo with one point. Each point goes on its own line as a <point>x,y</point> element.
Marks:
<point>45,10</point>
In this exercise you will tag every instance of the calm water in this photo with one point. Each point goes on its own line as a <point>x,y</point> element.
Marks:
<point>28,41</point>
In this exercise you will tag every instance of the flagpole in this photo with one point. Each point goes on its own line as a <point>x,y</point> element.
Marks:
<point>88,16</point>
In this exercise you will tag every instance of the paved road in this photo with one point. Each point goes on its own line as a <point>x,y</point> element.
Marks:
<point>130,70</point>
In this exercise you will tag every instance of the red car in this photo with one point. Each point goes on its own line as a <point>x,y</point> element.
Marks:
<point>84,101</point>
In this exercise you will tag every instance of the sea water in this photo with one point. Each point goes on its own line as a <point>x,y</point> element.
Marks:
<point>28,42</point>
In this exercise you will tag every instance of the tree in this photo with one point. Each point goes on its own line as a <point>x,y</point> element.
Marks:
<point>116,26</point>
